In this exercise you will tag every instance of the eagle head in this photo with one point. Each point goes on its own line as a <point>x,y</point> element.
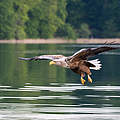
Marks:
<point>59,63</point>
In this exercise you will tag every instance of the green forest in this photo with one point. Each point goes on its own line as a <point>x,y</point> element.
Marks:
<point>68,19</point>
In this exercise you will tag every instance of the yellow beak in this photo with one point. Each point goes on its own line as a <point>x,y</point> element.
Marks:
<point>52,63</point>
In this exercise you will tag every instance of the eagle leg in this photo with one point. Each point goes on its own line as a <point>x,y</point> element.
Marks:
<point>82,80</point>
<point>89,79</point>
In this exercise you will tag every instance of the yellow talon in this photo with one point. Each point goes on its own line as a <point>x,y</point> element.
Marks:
<point>89,79</point>
<point>82,81</point>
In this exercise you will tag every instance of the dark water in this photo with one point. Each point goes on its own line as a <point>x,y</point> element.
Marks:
<point>37,91</point>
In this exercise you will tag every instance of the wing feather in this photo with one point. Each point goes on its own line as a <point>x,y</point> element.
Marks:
<point>43,57</point>
<point>84,54</point>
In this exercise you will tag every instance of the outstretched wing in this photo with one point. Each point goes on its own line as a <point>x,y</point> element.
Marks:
<point>43,57</point>
<point>84,54</point>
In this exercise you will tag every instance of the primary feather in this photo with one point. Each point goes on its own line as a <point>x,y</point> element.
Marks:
<point>84,54</point>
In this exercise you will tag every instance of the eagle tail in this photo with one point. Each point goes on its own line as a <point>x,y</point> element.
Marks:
<point>97,64</point>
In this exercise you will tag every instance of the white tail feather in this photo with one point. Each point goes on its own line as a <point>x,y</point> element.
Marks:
<point>97,64</point>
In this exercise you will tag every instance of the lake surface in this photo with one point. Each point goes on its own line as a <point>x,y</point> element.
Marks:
<point>37,91</point>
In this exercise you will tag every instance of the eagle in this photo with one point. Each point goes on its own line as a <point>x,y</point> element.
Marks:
<point>78,62</point>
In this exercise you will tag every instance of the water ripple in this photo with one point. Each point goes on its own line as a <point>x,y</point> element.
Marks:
<point>72,88</point>
<point>33,111</point>
<point>41,97</point>
<point>68,88</point>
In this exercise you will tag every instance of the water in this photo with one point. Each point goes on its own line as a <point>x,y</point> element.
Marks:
<point>35,90</point>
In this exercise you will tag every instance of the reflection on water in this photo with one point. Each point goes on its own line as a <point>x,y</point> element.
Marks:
<point>34,90</point>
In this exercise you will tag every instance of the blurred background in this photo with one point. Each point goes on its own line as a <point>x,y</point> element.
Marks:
<point>68,19</point>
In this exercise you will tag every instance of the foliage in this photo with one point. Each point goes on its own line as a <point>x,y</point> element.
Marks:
<point>102,16</point>
<point>84,31</point>
<point>6,20</point>
<point>75,9</point>
<point>69,19</point>
<point>66,31</point>
<point>20,13</point>
<point>46,20</point>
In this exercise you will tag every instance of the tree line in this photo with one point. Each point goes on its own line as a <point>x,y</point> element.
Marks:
<point>69,19</point>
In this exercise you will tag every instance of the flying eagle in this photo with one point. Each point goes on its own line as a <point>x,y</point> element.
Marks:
<point>78,62</point>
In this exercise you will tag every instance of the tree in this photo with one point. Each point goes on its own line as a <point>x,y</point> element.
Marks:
<point>76,15</point>
<point>75,9</point>
<point>66,31</point>
<point>84,31</point>
<point>13,16</point>
<point>101,16</point>
<point>20,13</point>
<point>6,20</point>
<point>59,18</point>
<point>61,10</point>
<point>45,18</point>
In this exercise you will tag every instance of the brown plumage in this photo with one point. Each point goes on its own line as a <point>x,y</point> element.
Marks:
<point>78,62</point>
<point>81,66</point>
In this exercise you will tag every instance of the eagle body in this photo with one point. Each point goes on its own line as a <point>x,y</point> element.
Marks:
<point>78,62</point>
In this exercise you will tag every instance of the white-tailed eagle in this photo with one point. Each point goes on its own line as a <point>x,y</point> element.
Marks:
<point>78,62</point>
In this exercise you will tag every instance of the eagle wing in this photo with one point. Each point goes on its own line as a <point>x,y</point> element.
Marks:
<point>84,54</point>
<point>43,57</point>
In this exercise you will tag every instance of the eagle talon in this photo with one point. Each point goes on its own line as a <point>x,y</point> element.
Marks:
<point>82,81</point>
<point>89,79</point>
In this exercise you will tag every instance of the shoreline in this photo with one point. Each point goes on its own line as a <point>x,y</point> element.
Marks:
<point>60,41</point>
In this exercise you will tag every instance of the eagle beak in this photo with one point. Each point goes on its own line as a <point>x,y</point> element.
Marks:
<point>52,63</point>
